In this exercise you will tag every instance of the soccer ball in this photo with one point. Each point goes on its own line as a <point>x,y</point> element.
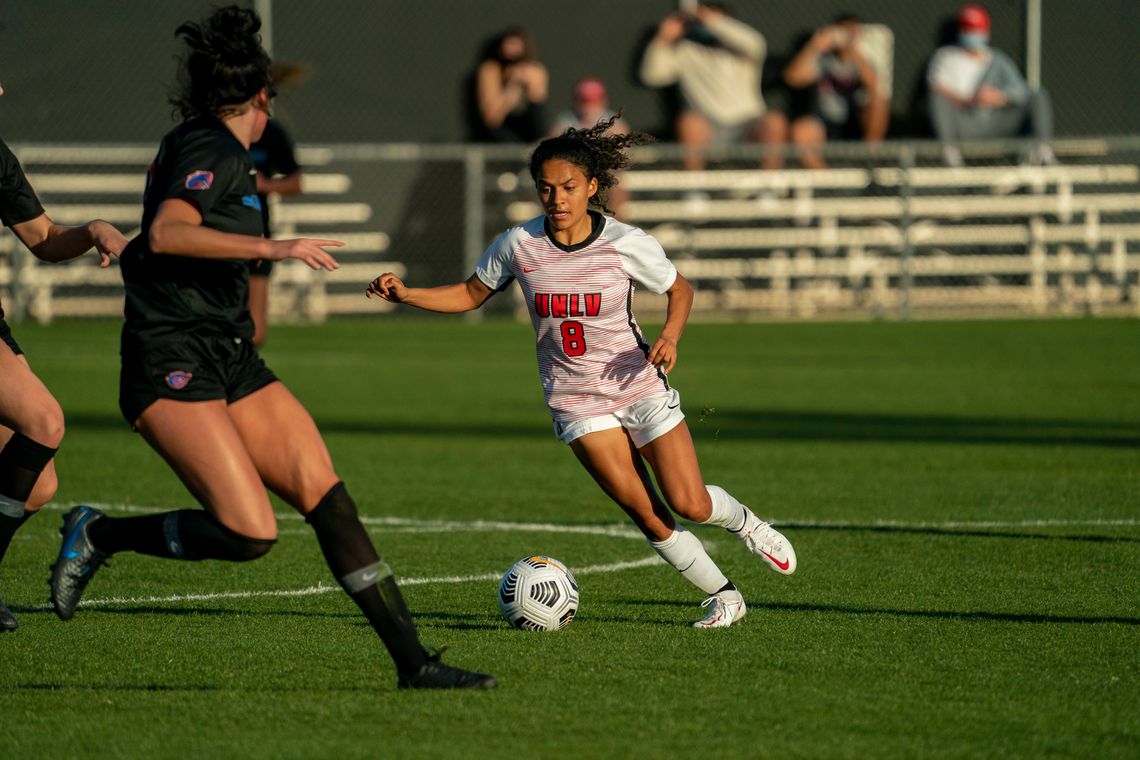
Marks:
<point>538,594</point>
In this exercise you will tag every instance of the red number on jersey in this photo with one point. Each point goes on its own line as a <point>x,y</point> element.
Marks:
<point>573,338</point>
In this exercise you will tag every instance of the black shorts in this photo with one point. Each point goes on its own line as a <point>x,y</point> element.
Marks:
<point>195,365</point>
<point>260,267</point>
<point>6,336</point>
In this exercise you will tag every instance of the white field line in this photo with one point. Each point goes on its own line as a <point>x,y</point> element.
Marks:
<point>412,525</point>
<point>322,588</point>
<point>618,530</point>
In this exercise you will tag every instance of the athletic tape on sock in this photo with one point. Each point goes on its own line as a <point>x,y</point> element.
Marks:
<point>170,534</point>
<point>10,507</point>
<point>369,575</point>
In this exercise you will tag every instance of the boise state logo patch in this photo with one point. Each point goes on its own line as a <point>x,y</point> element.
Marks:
<point>178,379</point>
<point>252,201</point>
<point>199,179</point>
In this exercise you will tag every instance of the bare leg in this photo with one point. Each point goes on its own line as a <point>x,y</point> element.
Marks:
<point>204,448</point>
<point>27,406</point>
<point>876,118</point>
<point>808,135</point>
<point>695,133</point>
<point>611,459</point>
<point>771,130</point>
<point>259,306</point>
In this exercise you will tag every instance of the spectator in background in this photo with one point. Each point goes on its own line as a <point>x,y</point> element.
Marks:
<point>716,61</point>
<point>976,92</point>
<point>277,172</point>
<point>590,104</point>
<point>511,88</point>
<point>848,99</point>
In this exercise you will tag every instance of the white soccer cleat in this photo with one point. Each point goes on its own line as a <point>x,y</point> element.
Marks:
<point>725,608</point>
<point>767,543</point>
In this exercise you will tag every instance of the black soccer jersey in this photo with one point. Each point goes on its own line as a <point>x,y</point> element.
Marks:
<point>18,201</point>
<point>273,155</point>
<point>201,162</point>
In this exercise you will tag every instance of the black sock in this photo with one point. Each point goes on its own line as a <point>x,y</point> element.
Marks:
<point>368,580</point>
<point>8,528</point>
<point>21,462</point>
<point>188,534</point>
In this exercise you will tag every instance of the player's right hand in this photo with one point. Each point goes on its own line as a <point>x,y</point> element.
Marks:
<point>389,287</point>
<point>309,250</point>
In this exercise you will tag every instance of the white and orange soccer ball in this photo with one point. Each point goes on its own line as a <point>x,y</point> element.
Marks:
<point>538,594</point>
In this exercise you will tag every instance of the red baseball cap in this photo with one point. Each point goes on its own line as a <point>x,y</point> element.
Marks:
<point>590,90</point>
<point>973,18</point>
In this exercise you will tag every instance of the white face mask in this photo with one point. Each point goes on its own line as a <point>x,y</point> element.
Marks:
<point>974,40</point>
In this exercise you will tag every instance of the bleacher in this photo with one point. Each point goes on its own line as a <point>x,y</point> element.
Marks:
<point>889,234</point>
<point>886,240</point>
<point>77,183</point>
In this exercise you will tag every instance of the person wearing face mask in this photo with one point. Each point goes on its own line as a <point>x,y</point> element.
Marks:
<point>977,92</point>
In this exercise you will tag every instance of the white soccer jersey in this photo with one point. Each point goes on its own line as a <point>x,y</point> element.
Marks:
<point>592,358</point>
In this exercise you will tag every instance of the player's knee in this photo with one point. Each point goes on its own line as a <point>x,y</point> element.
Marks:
<point>695,506</point>
<point>241,548</point>
<point>239,545</point>
<point>43,423</point>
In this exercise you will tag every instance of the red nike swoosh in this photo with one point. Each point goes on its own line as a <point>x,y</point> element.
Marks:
<point>782,565</point>
<point>527,270</point>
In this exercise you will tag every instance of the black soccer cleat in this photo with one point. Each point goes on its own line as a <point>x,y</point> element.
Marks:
<point>433,674</point>
<point>77,561</point>
<point>8,621</point>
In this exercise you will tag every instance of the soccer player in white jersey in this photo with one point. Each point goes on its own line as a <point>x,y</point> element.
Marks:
<point>606,386</point>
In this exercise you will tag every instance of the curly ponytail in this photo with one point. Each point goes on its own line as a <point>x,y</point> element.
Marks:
<point>225,65</point>
<point>599,155</point>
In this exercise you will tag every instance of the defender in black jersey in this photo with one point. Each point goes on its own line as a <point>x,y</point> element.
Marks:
<point>278,173</point>
<point>194,386</point>
<point>31,422</point>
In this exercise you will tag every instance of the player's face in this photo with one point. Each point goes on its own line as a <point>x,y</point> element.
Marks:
<point>565,194</point>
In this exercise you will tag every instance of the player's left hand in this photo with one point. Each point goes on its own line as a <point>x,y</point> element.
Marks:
<point>663,355</point>
<point>108,241</point>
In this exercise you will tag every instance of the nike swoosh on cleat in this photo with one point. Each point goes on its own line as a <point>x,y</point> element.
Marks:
<point>782,565</point>
<point>71,555</point>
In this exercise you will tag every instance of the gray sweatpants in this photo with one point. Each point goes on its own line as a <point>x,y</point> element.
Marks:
<point>952,123</point>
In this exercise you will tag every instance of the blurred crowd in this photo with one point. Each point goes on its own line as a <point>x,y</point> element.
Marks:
<point>836,86</point>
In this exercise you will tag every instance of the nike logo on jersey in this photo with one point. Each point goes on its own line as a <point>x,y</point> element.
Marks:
<point>562,305</point>
<point>528,269</point>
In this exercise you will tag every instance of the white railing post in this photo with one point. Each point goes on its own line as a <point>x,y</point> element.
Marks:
<point>474,222</point>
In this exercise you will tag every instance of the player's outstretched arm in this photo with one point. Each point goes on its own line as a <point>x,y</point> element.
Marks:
<point>53,242</point>
<point>663,354</point>
<point>177,229</point>
<point>447,299</point>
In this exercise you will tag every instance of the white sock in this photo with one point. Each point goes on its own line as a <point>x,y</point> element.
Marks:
<point>727,512</point>
<point>685,552</point>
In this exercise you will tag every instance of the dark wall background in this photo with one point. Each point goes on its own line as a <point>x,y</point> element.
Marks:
<point>393,71</point>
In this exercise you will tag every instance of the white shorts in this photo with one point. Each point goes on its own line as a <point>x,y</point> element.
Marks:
<point>644,420</point>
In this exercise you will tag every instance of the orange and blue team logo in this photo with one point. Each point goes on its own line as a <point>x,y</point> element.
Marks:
<point>178,379</point>
<point>199,179</point>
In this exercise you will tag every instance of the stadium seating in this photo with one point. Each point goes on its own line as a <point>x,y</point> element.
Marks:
<point>867,237</point>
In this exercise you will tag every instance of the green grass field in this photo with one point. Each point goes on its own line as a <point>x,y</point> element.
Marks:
<point>964,499</point>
